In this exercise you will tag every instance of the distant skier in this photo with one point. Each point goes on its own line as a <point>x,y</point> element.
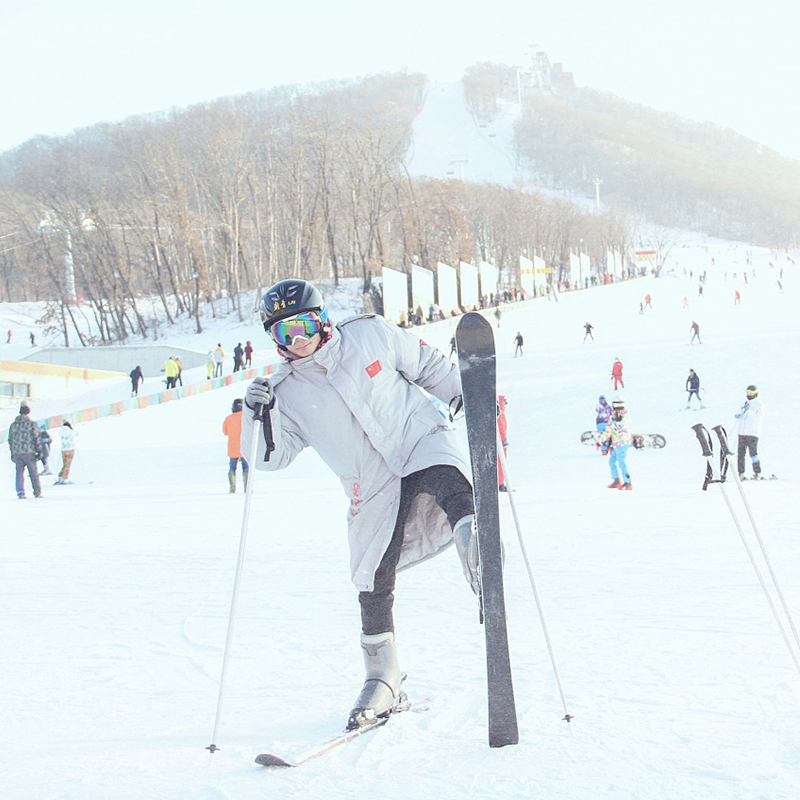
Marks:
<point>502,428</point>
<point>353,392</point>
<point>170,369</point>
<point>693,387</point>
<point>238,357</point>
<point>647,303</point>
<point>617,439</point>
<point>518,344</point>
<point>248,354</point>
<point>45,442</point>
<point>616,374</point>
<point>602,417</point>
<point>67,451</point>
<point>25,447</point>
<point>210,366</point>
<point>695,329</point>
<point>219,358</point>
<point>136,378</point>
<point>737,298</point>
<point>750,417</point>
<point>232,428</point>
<point>603,413</point>
<point>497,315</point>
<point>452,346</point>
<point>588,327</point>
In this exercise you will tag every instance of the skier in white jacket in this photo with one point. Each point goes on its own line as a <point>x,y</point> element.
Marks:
<point>351,391</point>
<point>750,416</point>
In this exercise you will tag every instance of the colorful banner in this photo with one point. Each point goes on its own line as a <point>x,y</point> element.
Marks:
<point>132,403</point>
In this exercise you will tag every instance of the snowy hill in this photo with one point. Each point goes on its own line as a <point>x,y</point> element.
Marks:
<point>449,142</point>
<point>116,590</point>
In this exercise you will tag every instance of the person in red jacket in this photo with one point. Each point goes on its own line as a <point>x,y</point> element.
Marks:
<point>616,374</point>
<point>502,427</point>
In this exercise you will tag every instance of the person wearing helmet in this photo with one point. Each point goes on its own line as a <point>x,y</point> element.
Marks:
<point>617,439</point>
<point>602,416</point>
<point>603,413</point>
<point>353,392</point>
<point>693,387</point>
<point>232,428</point>
<point>616,374</point>
<point>45,440</point>
<point>750,417</point>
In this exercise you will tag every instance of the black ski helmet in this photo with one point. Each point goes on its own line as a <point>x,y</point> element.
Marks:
<point>752,391</point>
<point>288,298</point>
<point>237,405</point>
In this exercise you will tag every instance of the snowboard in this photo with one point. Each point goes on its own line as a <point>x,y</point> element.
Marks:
<point>477,365</point>
<point>641,441</point>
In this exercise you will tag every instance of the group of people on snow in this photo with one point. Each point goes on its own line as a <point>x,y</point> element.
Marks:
<point>242,358</point>
<point>30,443</point>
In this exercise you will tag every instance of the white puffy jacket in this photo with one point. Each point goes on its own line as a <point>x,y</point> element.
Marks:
<point>750,416</point>
<point>357,402</point>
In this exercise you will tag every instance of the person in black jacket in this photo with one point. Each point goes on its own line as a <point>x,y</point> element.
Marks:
<point>693,387</point>
<point>238,357</point>
<point>136,379</point>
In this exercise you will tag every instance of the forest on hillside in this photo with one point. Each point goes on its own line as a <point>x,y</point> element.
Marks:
<point>200,205</point>
<point>673,171</point>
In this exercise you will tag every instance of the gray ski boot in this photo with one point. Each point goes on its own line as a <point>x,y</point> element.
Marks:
<point>466,539</point>
<point>381,691</point>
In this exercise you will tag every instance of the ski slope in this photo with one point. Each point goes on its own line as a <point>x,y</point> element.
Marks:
<point>116,590</point>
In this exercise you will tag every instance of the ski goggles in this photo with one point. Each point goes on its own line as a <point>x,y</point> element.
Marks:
<point>303,326</point>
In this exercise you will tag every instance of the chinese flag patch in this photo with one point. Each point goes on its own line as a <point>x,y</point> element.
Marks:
<point>373,369</point>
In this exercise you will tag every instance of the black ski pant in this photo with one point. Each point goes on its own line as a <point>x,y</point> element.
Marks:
<point>748,443</point>
<point>453,495</point>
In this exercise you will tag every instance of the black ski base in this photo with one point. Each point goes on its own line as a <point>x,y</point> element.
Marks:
<point>478,368</point>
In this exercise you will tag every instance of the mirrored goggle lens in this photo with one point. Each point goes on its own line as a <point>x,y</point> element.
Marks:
<point>302,326</point>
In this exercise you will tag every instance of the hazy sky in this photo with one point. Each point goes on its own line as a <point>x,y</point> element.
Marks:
<point>69,63</point>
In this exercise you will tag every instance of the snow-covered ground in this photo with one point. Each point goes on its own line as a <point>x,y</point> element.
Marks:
<point>116,590</point>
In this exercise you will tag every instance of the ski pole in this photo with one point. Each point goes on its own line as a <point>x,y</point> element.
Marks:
<point>705,443</point>
<point>539,606</point>
<point>727,453</point>
<point>260,415</point>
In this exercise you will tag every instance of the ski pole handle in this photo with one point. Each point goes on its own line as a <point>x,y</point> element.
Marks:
<point>722,435</point>
<point>261,414</point>
<point>702,437</point>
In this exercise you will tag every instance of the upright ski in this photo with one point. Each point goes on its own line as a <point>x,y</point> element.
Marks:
<point>476,361</point>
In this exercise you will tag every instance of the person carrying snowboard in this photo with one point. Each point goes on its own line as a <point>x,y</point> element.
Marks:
<point>353,392</point>
<point>617,439</point>
<point>693,387</point>
<point>616,374</point>
<point>750,417</point>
